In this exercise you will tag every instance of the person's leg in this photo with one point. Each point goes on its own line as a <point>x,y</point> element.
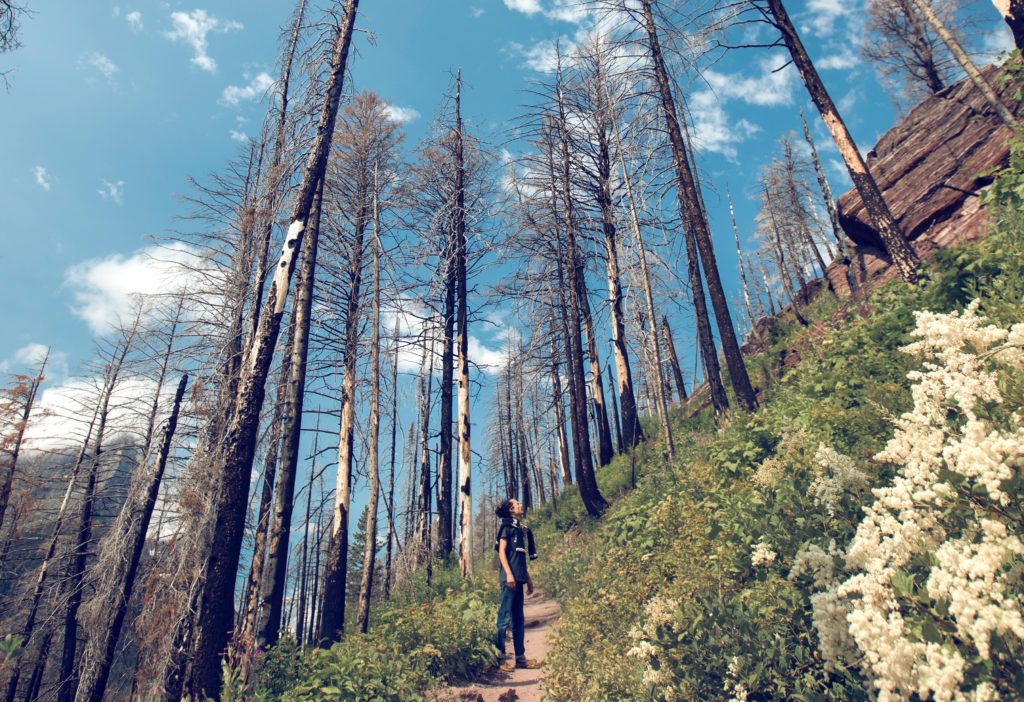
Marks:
<point>519,624</point>
<point>504,615</point>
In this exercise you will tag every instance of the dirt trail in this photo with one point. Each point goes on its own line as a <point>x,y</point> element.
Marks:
<point>542,616</point>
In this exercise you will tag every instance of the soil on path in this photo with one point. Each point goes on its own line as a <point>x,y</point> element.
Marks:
<point>542,614</point>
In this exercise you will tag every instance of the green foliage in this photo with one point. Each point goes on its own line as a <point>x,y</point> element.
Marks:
<point>409,650</point>
<point>10,650</point>
<point>686,533</point>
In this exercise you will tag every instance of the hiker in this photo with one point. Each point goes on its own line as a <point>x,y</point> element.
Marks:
<point>514,541</point>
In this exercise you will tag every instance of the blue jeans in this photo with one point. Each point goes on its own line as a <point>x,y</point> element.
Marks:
<point>510,613</point>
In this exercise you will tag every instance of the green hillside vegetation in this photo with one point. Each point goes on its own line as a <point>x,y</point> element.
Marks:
<point>689,588</point>
<point>701,580</point>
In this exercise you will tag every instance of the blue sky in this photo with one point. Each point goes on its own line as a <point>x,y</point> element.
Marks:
<point>114,105</point>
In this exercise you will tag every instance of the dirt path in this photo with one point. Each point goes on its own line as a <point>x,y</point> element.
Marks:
<point>542,615</point>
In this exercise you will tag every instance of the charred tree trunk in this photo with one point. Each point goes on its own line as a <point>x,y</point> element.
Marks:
<point>739,259</point>
<point>336,565</point>
<point>444,459</point>
<point>268,621</point>
<point>392,512</point>
<point>124,544</point>
<point>697,231</point>
<point>556,406</point>
<point>462,336</point>
<point>236,459</point>
<point>899,249</point>
<point>673,359</point>
<point>370,551</point>
<point>12,463</point>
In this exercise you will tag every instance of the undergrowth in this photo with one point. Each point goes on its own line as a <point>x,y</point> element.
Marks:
<point>662,598</point>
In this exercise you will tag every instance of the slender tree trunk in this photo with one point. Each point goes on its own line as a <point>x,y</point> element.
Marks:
<point>12,463</point>
<point>619,448</point>
<point>660,404</point>
<point>370,551</point>
<point>426,385</point>
<point>444,459</point>
<point>73,583</point>
<point>965,61</point>
<point>556,406</point>
<point>301,628</point>
<point>696,227</point>
<point>739,258</point>
<point>392,512</point>
<point>336,566</point>
<point>462,337</point>
<point>268,621</point>
<point>124,544</point>
<point>236,458</point>
<point>673,359</point>
<point>899,249</point>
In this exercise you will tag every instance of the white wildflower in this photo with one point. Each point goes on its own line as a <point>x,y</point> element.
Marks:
<point>762,554</point>
<point>838,474</point>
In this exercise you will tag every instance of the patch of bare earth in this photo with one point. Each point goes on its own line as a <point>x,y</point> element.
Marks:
<point>542,616</point>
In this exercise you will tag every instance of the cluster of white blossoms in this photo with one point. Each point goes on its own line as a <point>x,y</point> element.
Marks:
<point>735,688</point>
<point>837,475</point>
<point>947,501</point>
<point>762,554</point>
<point>659,613</point>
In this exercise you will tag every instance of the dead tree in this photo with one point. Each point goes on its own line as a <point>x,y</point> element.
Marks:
<point>899,250</point>
<point>462,336</point>
<point>698,238</point>
<point>673,359</point>
<point>24,394</point>
<point>120,558</point>
<point>966,63</point>
<point>215,623</point>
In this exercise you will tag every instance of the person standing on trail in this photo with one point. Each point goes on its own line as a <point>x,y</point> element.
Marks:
<point>514,544</point>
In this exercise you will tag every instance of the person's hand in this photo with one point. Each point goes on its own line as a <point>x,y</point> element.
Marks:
<point>529,587</point>
<point>510,580</point>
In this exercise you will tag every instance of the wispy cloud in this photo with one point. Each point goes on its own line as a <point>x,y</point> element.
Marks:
<point>101,63</point>
<point>238,136</point>
<point>401,115</point>
<point>530,7</point>
<point>192,28</point>
<point>771,87</point>
<point>29,356</point>
<point>135,20</point>
<point>257,87</point>
<point>42,177</point>
<point>476,12</point>
<point>823,15</point>
<point>112,191</point>
<point>714,130</point>
<point>573,11</point>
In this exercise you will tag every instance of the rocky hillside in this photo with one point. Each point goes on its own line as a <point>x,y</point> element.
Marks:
<point>931,168</point>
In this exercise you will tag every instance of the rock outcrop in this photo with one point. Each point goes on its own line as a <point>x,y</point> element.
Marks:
<point>931,168</point>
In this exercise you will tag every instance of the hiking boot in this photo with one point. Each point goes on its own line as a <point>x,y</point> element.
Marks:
<point>529,664</point>
<point>507,667</point>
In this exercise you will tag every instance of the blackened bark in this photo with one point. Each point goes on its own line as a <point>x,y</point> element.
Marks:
<point>129,536</point>
<point>673,358</point>
<point>236,459</point>
<point>696,226</point>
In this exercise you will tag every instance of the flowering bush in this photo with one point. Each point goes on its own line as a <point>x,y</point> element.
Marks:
<point>933,606</point>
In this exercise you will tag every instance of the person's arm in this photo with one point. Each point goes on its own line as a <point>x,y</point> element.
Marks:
<point>510,579</point>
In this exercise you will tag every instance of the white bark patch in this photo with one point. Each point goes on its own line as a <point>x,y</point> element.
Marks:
<point>284,266</point>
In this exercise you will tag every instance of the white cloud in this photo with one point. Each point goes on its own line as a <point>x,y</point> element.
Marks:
<point>574,11</point>
<point>844,60</point>
<point>42,177</point>
<point>530,7</point>
<point>476,12</point>
<point>106,290</point>
<point>713,130</point>
<point>112,191</point>
<point>29,356</point>
<point>238,136</point>
<point>825,15</point>
<point>540,57</point>
<point>256,89</point>
<point>192,28</point>
<point>998,41</point>
<point>771,88</point>
<point>101,63</point>
<point>401,115</point>
<point>135,20</point>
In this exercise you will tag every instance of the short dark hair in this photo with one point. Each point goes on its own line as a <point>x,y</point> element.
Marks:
<point>504,509</point>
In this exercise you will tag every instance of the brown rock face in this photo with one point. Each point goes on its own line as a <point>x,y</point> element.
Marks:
<point>930,168</point>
